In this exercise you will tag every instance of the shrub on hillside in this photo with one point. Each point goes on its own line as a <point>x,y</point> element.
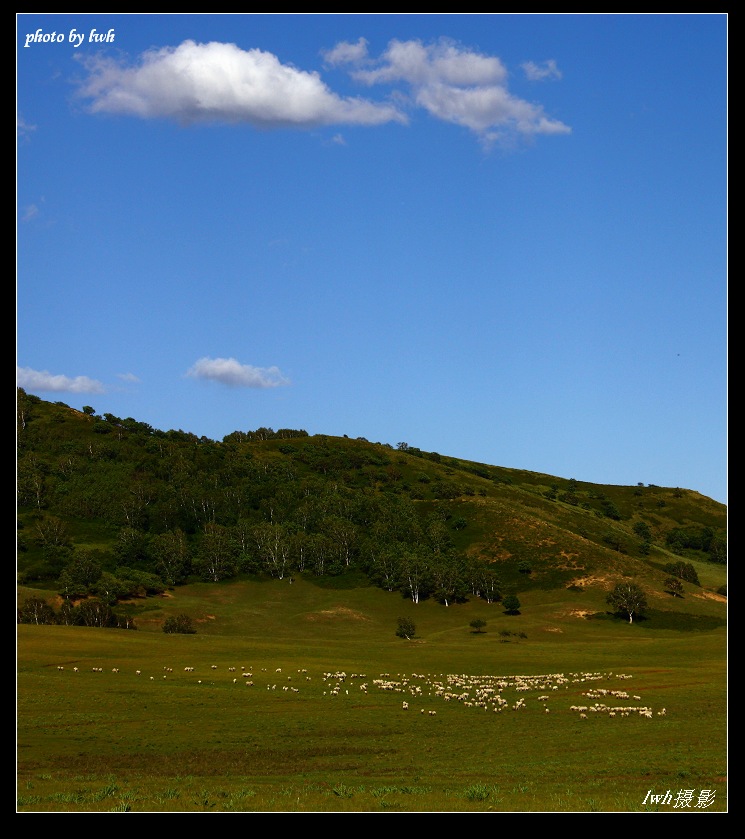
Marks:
<point>181,624</point>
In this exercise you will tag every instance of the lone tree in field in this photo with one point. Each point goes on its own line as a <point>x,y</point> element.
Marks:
<point>628,598</point>
<point>478,625</point>
<point>511,604</point>
<point>406,628</point>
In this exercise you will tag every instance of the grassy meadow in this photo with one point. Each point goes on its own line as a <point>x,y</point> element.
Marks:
<point>492,723</point>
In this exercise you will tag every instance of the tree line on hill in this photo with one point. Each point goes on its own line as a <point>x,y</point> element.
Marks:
<point>152,510</point>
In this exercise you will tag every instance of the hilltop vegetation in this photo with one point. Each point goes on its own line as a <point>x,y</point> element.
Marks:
<point>112,510</point>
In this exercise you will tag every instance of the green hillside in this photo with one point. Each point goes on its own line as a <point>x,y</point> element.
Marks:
<point>112,508</point>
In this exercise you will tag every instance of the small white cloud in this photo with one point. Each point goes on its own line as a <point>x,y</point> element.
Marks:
<point>229,371</point>
<point>338,140</point>
<point>43,380</point>
<point>539,72</point>
<point>218,82</point>
<point>23,128</point>
<point>128,377</point>
<point>29,212</point>
<point>346,53</point>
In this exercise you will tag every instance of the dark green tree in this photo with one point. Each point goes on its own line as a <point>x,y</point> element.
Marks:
<point>641,528</point>
<point>511,604</point>
<point>82,572</point>
<point>478,625</point>
<point>131,546</point>
<point>406,628</point>
<point>610,510</point>
<point>629,599</point>
<point>383,563</point>
<point>170,552</point>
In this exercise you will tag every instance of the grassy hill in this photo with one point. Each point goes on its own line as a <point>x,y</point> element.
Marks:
<point>109,488</point>
<point>341,715</point>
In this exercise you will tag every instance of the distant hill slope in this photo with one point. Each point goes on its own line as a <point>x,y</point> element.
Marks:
<point>112,499</point>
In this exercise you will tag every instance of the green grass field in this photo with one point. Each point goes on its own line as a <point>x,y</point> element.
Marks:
<point>323,728</point>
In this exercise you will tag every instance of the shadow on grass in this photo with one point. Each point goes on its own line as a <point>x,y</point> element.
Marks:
<point>680,621</point>
<point>349,579</point>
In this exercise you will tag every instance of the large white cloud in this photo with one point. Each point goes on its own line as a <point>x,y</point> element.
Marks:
<point>229,371</point>
<point>42,380</point>
<point>223,83</point>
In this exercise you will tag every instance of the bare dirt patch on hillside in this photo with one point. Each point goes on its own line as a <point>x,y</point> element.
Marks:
<point>710,595</point>
<point>336,613</point>
<point>592,580</point>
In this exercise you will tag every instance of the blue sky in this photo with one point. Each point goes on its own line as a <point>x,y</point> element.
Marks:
<point>498,237</point>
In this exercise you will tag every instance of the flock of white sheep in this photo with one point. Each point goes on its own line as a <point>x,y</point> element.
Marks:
<point>488,693</point>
